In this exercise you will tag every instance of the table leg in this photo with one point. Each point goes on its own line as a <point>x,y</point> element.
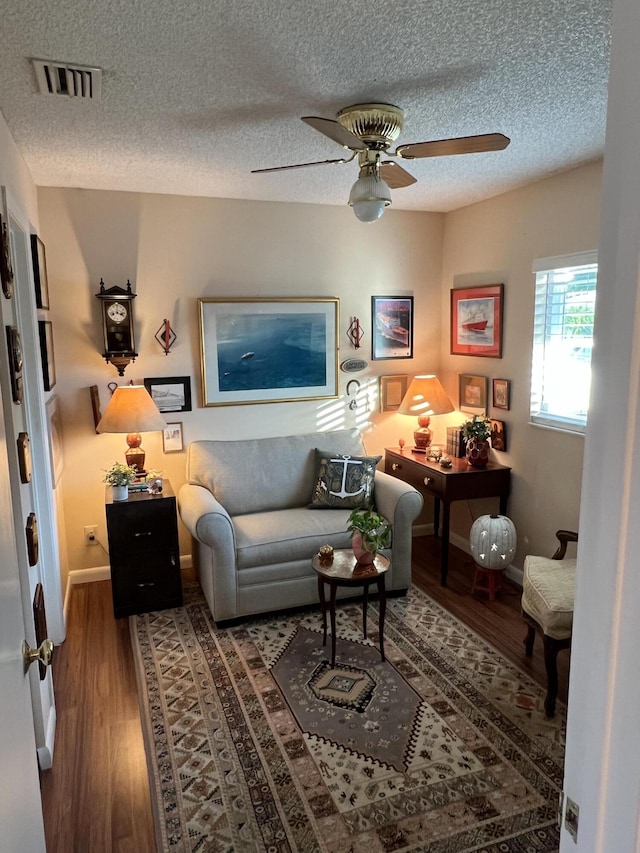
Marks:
<point>323,605</point>
<point>332,611</point>
<point>444,554</point>
<point>382,597</point>
<point>365,601</point>
<point>436,516</point>
<point>503,503</point>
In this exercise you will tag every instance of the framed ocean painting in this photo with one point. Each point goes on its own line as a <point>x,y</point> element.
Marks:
<point>268,350</point>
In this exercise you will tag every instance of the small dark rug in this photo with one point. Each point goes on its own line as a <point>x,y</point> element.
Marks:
<point>256,743</point>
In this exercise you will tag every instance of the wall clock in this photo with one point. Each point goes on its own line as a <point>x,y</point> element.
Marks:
<point>117,325</point>
<point>15,363</point>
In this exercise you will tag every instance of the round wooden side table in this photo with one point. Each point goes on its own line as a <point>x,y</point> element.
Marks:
<point>343,570</point>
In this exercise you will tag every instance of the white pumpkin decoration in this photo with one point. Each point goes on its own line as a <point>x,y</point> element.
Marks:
<point>493,541</point>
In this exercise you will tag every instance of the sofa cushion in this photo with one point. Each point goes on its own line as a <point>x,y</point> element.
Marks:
<point>343,481</point>
<point>266,538</point>
<point>266,473</point>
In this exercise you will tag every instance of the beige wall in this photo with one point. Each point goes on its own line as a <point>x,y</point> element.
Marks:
<point>497,241</point>
<point>177,249</point>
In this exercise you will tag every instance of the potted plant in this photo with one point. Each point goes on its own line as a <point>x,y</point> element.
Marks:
<point>370,533</point>
<point>120,477</point>
<point>476,433</point>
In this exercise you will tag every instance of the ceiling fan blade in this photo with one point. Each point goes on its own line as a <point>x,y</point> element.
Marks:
<point>303,165</point>
<point>395,176</point>
<point>334,130</point>
<point>461,145</point>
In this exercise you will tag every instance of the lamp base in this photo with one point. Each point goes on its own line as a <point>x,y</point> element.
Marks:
<point>135,454</point>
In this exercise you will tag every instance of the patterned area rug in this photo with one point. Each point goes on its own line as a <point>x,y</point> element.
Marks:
<point>256,743</point>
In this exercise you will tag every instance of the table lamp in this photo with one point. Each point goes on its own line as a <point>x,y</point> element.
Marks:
<point>425,397</point>
<point>131,410</point>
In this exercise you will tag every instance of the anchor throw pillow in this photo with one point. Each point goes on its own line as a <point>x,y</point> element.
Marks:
<point>343,481</point>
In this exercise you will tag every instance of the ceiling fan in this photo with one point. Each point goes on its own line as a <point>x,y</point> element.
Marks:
<point>368,131</point>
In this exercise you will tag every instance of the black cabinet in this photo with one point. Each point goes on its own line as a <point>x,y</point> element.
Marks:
<point>144,552</point>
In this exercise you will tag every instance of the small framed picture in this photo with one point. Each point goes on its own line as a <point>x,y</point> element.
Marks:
<point>40,272</point>
<point>392,390</point>
<point>473,394</point>
<point>45,330</point>
<point>95,405</point>
<point>170,393</point>
<point>501,394</point>
<point>172,437</point>
<point>498,435</point>
<point>391,327</point>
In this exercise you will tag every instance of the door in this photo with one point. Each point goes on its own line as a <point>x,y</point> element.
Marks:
<point>20,805</point>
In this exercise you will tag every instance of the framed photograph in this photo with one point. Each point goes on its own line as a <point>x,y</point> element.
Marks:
<point>40,272</point>
<point>391,327</point>
<point>473,394</point>
<point>501,393</point>
<point>268,350</point>
<point>498,435</point>
<point>95,405</point>
<point>172,437</point>
<point>476,320</point>
<point>170,393</point>
<point>54,428</point>
<point>45,330</point>
<point>392,390</point>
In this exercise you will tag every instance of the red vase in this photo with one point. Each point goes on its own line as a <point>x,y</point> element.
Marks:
<point>478,452</point>
<point>363,557</point>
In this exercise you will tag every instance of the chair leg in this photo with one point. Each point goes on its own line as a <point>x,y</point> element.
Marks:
<point>551,648</point>
<point>528,641</point>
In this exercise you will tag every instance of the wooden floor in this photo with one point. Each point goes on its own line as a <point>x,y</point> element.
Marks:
<point>96,796</point>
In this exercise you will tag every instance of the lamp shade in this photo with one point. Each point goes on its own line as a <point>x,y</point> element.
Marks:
<point>493,541</point>
<point>132,411</point>
<point>425,397</point>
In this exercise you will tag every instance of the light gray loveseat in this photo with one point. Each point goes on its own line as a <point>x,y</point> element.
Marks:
<point>245,504</point>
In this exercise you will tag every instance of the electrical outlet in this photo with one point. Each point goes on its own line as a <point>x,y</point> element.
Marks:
<point>91,534</point>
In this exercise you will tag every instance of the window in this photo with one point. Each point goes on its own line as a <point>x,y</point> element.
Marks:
<point>563,340</point>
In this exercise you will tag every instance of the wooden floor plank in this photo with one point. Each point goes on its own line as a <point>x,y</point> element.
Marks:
<point>96,797</point>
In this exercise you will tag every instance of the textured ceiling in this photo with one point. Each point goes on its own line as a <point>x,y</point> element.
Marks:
<point>196,93</point>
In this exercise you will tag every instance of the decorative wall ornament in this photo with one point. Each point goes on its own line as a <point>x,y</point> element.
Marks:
<point>165,336</point>
<point>353,365</point>
<point>355,332</point>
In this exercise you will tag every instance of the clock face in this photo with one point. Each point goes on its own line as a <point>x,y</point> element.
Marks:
<point>117,312</point>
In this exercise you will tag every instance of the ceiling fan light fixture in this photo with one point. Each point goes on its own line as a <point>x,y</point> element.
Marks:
<point>368,197</point>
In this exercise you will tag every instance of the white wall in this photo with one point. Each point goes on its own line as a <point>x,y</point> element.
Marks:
<point>177,249</point>
<point>496,241</point>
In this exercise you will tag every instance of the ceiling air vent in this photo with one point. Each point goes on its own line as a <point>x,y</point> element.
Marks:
<point>74,81</point>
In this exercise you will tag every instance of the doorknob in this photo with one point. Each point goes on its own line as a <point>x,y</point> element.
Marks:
<point>44,653</point>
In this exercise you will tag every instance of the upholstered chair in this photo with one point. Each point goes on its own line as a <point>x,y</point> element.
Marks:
<point>548,593</point>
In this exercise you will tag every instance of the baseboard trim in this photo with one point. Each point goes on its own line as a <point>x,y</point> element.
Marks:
<point>512,572</point>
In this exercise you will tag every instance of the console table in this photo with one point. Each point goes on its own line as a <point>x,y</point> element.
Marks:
<point>458,483</point>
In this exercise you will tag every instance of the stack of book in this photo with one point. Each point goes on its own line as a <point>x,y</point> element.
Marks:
<point>455,442</point>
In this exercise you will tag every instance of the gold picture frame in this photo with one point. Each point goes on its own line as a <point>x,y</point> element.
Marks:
<point>392,391</point>
<point>276,350</point>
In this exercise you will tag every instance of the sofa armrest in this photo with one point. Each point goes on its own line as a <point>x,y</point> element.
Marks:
<point>400,504</point>
<point>204,517</point>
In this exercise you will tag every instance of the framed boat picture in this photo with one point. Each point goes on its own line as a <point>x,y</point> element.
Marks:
<point>476,320</point>
<point>391,327</point>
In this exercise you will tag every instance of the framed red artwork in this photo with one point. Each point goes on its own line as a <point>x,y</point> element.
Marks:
<point>476,320</point>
